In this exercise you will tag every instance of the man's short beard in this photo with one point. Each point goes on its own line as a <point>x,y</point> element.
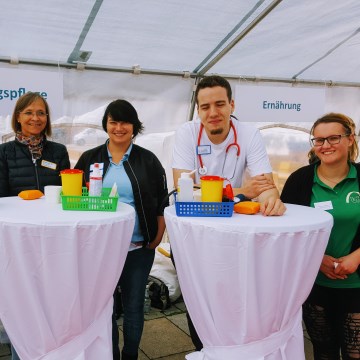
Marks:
<point>217,131</point>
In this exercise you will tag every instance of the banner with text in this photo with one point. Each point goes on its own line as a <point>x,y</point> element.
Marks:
<point>16,82</point>
<point>279,104</point>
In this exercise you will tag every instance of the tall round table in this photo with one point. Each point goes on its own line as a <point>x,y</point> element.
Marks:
<point>58,272</point>
<point>245,277</point>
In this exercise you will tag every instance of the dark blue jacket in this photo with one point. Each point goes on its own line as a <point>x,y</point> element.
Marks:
<point>18,171</point>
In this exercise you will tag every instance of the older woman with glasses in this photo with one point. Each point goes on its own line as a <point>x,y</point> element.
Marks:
<point>30,161</point>
<point>332,183</point>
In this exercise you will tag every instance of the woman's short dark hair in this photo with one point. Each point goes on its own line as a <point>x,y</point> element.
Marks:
<point>23,102</point>
<point>122,111</point>
<point>213,81</point>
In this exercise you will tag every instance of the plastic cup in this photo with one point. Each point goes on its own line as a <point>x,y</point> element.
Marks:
<point>71,181</point>
<point>52,194</point>
<point>211,188</point>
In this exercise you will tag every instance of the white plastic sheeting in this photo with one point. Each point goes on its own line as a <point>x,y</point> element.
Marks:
<point>162,102</point>
<point>316,40</point>
<point>289,36</point>
<point>97,45</point>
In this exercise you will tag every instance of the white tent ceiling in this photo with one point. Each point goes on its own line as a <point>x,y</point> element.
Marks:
<point>308,39</point>
<point>152,52</point>
<point>98,46</point>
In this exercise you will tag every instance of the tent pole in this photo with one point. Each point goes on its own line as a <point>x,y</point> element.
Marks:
<point>182,74</point>
<point>76,54</point>
<point>242,34</point>
<point>95,67</point>
<point>193,100</point>
<point>229,35</point>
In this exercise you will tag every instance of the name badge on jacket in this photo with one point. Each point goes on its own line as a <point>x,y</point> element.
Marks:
<point>48,164</point>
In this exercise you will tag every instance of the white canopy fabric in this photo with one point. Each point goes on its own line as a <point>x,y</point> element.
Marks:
<point>153,52</point>
<point>308,39</point>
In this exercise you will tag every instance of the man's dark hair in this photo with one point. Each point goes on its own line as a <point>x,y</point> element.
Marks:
<point>213,81</point>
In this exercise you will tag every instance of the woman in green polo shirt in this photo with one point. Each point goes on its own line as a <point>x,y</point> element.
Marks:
<point>332,182</point>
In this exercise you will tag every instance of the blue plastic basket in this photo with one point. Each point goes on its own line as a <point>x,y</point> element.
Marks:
<point>204,209</point>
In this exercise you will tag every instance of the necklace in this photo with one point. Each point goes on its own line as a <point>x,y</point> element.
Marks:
<point>330,180</point>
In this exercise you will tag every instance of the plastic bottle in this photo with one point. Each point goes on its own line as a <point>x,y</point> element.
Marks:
<point>186,185</point>
<point>95,185</point>
<point>147,301</point>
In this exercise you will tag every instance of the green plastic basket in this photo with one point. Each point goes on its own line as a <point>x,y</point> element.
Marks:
<point>90,203</point>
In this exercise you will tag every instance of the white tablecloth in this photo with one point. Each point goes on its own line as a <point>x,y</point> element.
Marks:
<point>58,271</point>
<point>245,278</point>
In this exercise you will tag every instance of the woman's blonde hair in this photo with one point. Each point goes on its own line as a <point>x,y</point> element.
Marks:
<point>349,127</point>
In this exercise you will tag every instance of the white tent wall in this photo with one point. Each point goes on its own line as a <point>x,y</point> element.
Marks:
<point>340,99</point>
<point>344,100</point>
<point>288,142</point>
<point>164,103</point>
<point>161,101</point>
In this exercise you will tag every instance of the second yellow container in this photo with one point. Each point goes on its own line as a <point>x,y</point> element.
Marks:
<point>211,188</point>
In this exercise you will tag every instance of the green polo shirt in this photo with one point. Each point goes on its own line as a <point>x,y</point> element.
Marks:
<point>343,203</point>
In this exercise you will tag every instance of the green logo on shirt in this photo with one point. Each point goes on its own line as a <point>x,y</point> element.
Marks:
<point>353,197</point>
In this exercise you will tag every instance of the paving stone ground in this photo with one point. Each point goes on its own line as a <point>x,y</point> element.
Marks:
<point>165,337</point>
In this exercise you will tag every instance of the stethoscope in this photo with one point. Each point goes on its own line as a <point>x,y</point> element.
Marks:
<point>202,169</point>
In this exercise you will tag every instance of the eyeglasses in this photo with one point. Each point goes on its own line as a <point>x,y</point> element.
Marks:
<point>332,140</point>
<point>30,114</point>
